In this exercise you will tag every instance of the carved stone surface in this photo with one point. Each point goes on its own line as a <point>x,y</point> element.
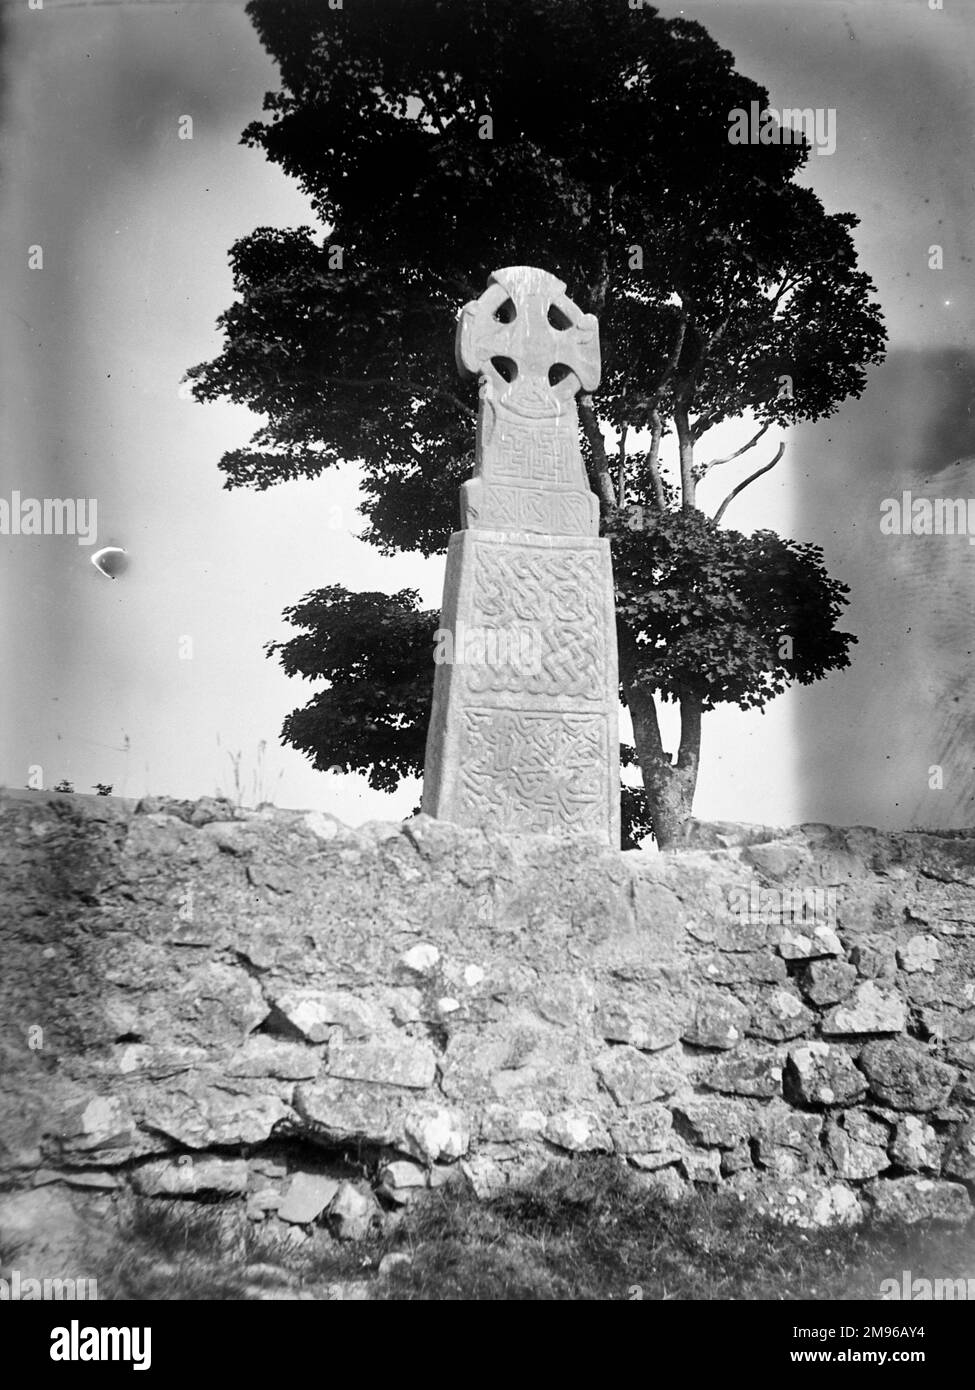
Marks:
<point>532,350</point>
<point>523,733</point>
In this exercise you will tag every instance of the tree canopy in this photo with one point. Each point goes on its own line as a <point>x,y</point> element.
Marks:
<point>440,139</point>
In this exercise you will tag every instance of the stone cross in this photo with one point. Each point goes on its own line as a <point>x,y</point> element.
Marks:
<point>523,731</point>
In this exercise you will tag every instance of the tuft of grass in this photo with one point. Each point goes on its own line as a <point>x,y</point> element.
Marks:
<point>580,1231</point>
<point>588,1231</point>
<point>175,1249</point>
<point>255,790</point>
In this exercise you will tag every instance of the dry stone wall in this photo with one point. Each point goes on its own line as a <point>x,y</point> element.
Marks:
<point>195,999</point>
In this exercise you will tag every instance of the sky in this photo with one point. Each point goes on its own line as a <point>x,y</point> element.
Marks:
<point>157,682</point>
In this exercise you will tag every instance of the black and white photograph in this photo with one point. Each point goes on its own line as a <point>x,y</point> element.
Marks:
<point>487,712</point>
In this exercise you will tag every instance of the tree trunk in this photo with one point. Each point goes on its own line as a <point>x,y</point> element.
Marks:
<point>669,786</point>
<point>685,439</point>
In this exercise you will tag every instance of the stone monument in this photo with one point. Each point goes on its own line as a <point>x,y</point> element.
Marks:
<point>523,731</point>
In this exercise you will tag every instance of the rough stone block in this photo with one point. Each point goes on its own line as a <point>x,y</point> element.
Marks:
<point>818,1074</point>
<point>719,1021</point>
<point>402,1174</point>
<point>372,1114</point>
<point>642,1129</point>
<point>352,1212</point>
<point>909,1200</point>
<point>921,953</point>
<point>646,1021</point>
<point>960,1158</point>
<point>904,1075</point>
<point>306,1197</point>
<point>801,943</point>
<point>401,1061</point>
<point>828,981</point>
<point>757,1074</point>
<point>635,1079</point>
<point>736,1160</point>
<point>787,1140</point>
<point>313,1013</point>
<point>917,1146</point>
<point>579,1131</point>
<point>202,1111</point>
<point>808,1203</point>
<point>871,1009</point>
<point>776,860</point>
<point>858,1145</point>
<point>744,968</point>
<point>186,1176</point>
<point>701,1165</point>
<point>779,1015</point>
<point>437,1133</point>
<point>874,958</point>
<point>712,1122</point>
<point>503,1124</point>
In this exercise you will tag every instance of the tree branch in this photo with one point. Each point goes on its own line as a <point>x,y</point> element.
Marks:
<point>788,282</point>
<point>653,400</point>
<point>599,290</point>
<point>621,468</point>
<point>706,421</point>
<point>656,482</point>
<point>716,463</point>
<point>750,479</point>
<point>590,428</point>
<point>674,357</point>
<point>639,698</point>
<point>715,337</point>
<point>685,442</point>
<point>432,110</point>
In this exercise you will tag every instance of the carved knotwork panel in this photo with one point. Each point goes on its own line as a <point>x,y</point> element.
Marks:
<point>534,771</point>
<point>555,597</point>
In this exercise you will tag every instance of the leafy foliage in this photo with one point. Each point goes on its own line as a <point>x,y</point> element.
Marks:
<point>728,617</point>
<point>376,653</point>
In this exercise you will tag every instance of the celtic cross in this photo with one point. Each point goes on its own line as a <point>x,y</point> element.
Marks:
<point>533,350</point>
<point>523,733</point>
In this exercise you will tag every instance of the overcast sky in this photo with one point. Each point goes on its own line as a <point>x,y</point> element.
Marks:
<point>135,225</point>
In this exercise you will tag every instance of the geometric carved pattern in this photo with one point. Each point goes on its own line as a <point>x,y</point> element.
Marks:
<point>499,508</point>
<point>555,596</point>
<point>534,452</point>
<point>534,771</point>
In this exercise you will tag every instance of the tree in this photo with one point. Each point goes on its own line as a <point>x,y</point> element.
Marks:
<point>440,139</point>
